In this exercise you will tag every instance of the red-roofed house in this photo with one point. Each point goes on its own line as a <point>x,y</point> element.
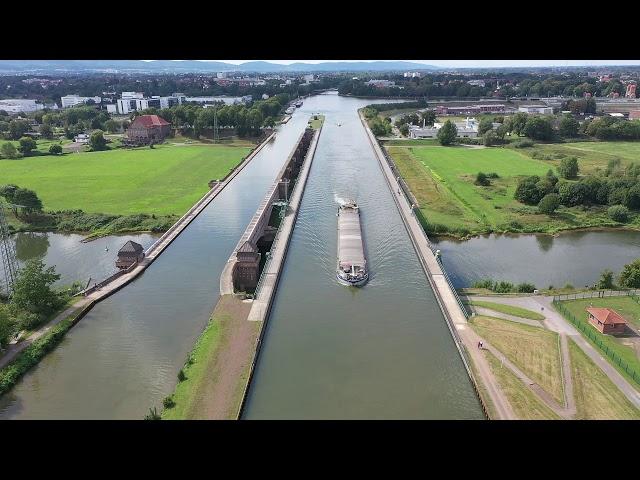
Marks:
<point>606,320</point>
<point>146,129</point>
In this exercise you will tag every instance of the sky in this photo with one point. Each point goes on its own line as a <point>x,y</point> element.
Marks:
<point>478,63</point>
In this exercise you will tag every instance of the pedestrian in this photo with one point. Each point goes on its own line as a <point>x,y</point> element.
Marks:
<point>479,343</point>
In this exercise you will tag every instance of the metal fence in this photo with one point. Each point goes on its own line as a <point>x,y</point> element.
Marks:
<point>596,294</point>
<point>591,333</point>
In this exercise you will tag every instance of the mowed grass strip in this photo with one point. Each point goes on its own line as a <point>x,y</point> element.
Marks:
<point>523,401</point>
<point>619,346</point>
<point>509,309</point>
<point>164,180</point>
<point>597,398</point>
<point>218,367</point>
<point>533,350</point>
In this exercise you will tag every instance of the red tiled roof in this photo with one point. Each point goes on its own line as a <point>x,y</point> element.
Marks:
<point>606,316</point>
<point>149,121</point>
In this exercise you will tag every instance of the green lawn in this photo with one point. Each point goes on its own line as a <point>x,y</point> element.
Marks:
<point>162,181</point>
<point>509,309</point>
<point>42,145</point>
<point>442,179</point>
<point>533,350</point>
<point>620,346</point>
<point>522,400</point>
<point>597,398</point>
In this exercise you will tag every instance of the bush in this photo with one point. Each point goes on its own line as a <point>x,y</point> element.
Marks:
<point>630,275</point>
<point>549,203</point>
<point>525,288</point>
<point>487,283</point>
<point>55,149</point>
<point>181,376</point>
<point>606,279</point>
<point>493,175</point>
<point>167,402</point>
<point>524,143</point>
<point>618,213</point>
<point>503,287</point>
<point>569,167</point>
<point>482,180</point>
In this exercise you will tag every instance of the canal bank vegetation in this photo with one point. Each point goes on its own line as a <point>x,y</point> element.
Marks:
<point>444,182</point>
<point>211,384</point>
<point>534,350</point>
<point>597,398</point>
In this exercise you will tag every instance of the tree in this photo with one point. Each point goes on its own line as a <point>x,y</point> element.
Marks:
<point>568,126</point>
<point>490,138</point>
<point>527,191</point>
<point>606,279</point>
<point>17,129</point>
<point>112,126</point>
<point>97,141</point>
<point>32,289</point>
<point>404,130</point>
<point>429,117</point>
<point>447,133</point>
<point>630,275</point>
<point>27,145</point>
<point>618,213</point>
<point>46,131</point>
<point>538,128</point>
<point>7,326</point>
<point>55,149</point>
<point>485,125</point>
<point>549,203</point>
<point>8,150</point>
<point>28,200</point>
<point>632,198</point>
<point>569,167</point>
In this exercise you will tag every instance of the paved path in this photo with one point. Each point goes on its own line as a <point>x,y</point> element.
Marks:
<point>9,353</point>
<point>556,322</point>
<point>456,320</point>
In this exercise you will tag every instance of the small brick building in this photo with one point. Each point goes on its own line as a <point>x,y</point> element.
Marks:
<point>147,129</point>
<point>606,320</point>
<point>130,253</point>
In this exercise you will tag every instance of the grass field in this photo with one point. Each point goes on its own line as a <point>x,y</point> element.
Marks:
<point>596,396</point>
<point>523,402</point>
<point>509,309</point>
<point>442,179</point>
<point>42,146</point>
<point>592,156</point>
<point>164,180</point>
<point>622,347</point>
<point>532,349</point>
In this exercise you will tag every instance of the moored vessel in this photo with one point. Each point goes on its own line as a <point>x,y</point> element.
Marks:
<point>352,266</point>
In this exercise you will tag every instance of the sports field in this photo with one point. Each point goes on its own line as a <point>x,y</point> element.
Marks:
<point>164,180</point>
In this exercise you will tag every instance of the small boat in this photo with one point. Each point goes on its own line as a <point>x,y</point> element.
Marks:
<point>290,110</point>
<point>351,269</point>
<point>298,103</point>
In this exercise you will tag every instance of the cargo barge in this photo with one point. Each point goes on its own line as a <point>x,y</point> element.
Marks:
<point>352,266</point>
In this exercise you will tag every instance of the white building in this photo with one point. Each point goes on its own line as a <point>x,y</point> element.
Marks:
<point>381,83</point>
<point>17,105</point>
<point>81,138</point>
<point>476,83</point>
<point>412,75</point>
<point>466,129</point>
<point>536,109</point>
<point>73,100</point>
<point>206,101</point>
<point>113,108</point>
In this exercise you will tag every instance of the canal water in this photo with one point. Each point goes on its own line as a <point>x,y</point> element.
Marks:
<point>577,257</point>
<point>73,259</point>
<point>124,356</point>
<point>332,352</point>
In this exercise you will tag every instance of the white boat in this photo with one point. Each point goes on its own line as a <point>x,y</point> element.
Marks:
<point>290,110</point>
<point>351,269</point>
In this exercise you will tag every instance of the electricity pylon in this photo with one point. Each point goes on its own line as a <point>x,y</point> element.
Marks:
<point>7,254</point>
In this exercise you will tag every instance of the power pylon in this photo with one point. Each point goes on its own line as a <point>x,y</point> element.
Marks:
<point>8,255</point>
<point>216,135</point>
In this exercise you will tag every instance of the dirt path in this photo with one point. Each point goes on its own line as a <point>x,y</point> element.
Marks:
<point>218,397</point>
<point>505,316</point>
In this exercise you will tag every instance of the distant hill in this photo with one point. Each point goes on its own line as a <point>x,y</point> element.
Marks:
<point>184,66</point>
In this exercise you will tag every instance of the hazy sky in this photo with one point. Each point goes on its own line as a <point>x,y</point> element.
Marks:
<point>480,63</point>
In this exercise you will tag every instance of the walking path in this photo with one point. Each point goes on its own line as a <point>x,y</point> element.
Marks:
<point>556,322</point>
<point>456,320</point>
<point>505,316</point>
